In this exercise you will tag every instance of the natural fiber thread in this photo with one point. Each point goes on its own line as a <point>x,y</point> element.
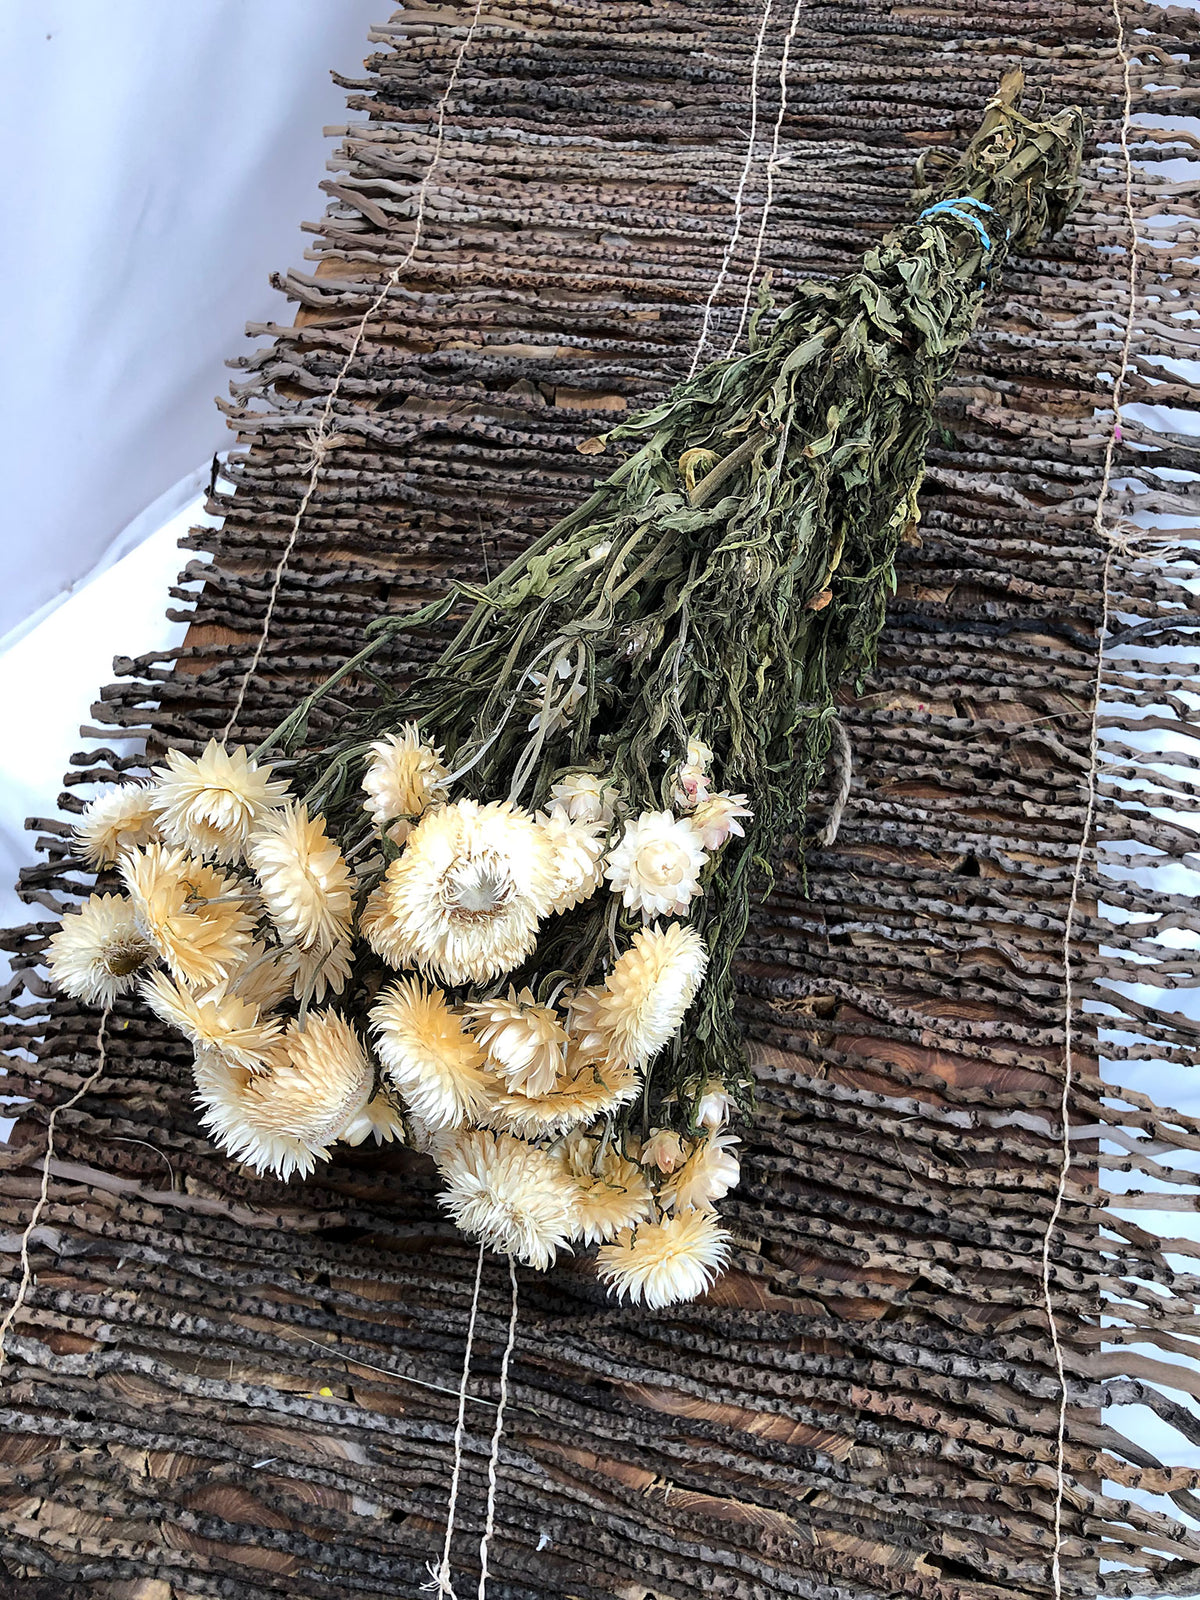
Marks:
<point>440,1575</point>
<point>26,1279</point>
<point>772,160</point>
<point>320,440</point>
<point>731,245</point>
<point>1064,1168</point>
<point>494,1458</point>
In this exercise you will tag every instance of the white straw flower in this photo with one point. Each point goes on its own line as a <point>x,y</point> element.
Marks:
<point>196,917</point>
<point>718,817</point>
<point>691,780</point>
<point>306,884</point>
<point>645,996</point>
<point>210,803</point>
<point>663,1263</point>
<point>663,1149</point>
<point>514,1197</point>
<point>98,951</point>
<point>216,1020</point>
<point>715,1105</point>
<point>119,820</point>
<point>317,973</point>
<point>552,714</point>
<point>428,1056</point>
<point>465,899</point>
<point>525,1042</point>
<point>656,867</point>
<point>261,979</point>
<point>586,1090</point>
<point>402,780</point>
<point>578,858</point>
<point>585,797</point>
<point>285,1120</point>
<point>709,1173</point>
<point>612,1191</point>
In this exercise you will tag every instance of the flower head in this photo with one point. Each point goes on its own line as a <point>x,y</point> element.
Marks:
<point>195,916</point>
<point>285,1120</point>
<point>119,820</point>
<point>709,1173</point>
<point>585,797</point>
<point>216,1020</point>
<point>663,1149</point>
<point>645,996</point>
<point>718,817</point>
<point>656,867</point>
<point>210,803</point>
<point>662,1263</point>
<point>306,884</point>
<point>552,714</point>
<point>428,1056</point>
<point>578,858</point>
<point>612,1192</point>
<point>586,1090</point>
<point>715,1105</point>
<point>516,1198</point>
<point>319,972</point>
<point>98,952</point>
<point>691,780</point>
<point>525,1042</point>
<point>402,780</point>
<point>465,899</point>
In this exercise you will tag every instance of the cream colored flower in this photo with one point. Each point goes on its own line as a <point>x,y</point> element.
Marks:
<point>195,916</point>
<point>578,858</point>
<point>465,899</point>
<point>656,867</point>
<point>98,952</point>
<point>262,980</point>
<point>306,884</point>
<point>379,1119</point>
<point>585,797</point>
<point>317,973</point>
<point>525,1042</point>
<point>216,1020</point>
<point>612,1192</point>
<point>709,1173</point>
<point>428,1056</point>
<point>285,1120</point>
<point>552,714</point>
<point>663,1149</point>
<point>691,781</point>
<point>586,1090</point>
<point>716,818</point>
<point>715,1106</point>
<point>402,780</point>
<point>516,1198</point>
<point>645,996</point>
<point>119,820</point>
<point>210,803</point>
<point>663,1263</point>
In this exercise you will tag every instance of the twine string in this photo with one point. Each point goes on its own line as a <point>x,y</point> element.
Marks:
<point>440,1576</point>
<point>1110,547</point>
<point>25,1281</point>
<point>321,441</point>
<point>494,1458</point>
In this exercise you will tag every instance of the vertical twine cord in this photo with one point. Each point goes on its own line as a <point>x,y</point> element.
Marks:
<point>26,1279</point>
<point>768,203</point>
<point>1064,1167</point>
<point>320,440</point>
<point>731,245</point>
<point>440,1575</point>
<point>494,1458</point>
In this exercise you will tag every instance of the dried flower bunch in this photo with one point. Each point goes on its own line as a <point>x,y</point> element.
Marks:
<point>494,912</point>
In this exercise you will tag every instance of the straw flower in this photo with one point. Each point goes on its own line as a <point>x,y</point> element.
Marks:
<point>305,883</point>
<point>525,1042</point>
<point>645,996</point>
<point>663,1149</point>
<point>518,1199</point>
<point>578,857</point>
<point>612,1191</point>
<point>553,715</point>
<point>715,1105</point>
<point>585,1091</point>
<point>428,1056</point>
<point>708,1174</point>
<point>402,780</point>
<point>465,899</point>
<point>691,781</point>
<point>98,952</point>
<point>662,1263</point>
<point>284,1121</point>
<point>210,803</point>
<point>314,974</point>
<point>195,916</point>
<point>216,1021</point>
<point>656,867</point>
<point>585,797</point>
<point>717,818</point>
<point>119,820</point>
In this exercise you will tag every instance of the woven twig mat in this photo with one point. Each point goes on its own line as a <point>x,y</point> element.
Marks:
<point>230,1387</point>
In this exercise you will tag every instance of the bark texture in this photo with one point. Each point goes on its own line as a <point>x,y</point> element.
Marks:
<point>226,1386</point>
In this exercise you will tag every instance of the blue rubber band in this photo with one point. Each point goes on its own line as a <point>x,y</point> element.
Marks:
<point>950,208</point>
